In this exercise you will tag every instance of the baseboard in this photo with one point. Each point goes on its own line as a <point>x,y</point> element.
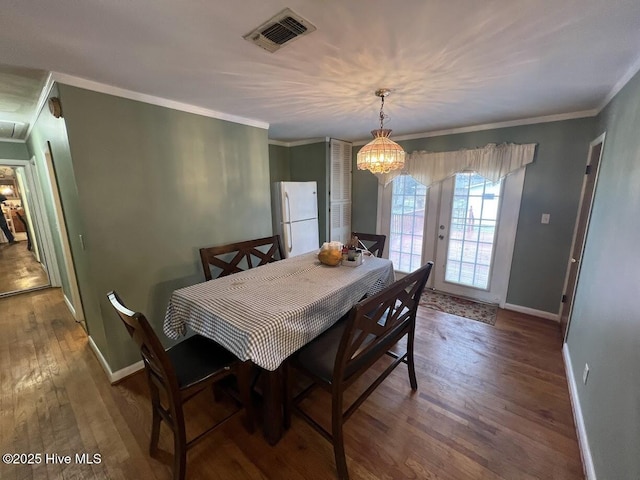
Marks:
<point>583,441</point>
<point>118,375</point>
<point>531,311</point>
<point>70,307</point>
<point>126,371</point>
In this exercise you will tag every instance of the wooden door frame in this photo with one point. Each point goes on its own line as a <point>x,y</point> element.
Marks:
<point>47,253</point>
<point>577,244</point>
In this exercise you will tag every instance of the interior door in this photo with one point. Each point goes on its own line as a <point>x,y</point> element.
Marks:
<point>475,234</point>
<point>340,191</point>
<point>580,232</point>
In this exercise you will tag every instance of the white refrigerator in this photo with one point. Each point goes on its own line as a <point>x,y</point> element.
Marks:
<point>295,216</point>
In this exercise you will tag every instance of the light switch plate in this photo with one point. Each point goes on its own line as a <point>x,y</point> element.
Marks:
<point>545,218</point>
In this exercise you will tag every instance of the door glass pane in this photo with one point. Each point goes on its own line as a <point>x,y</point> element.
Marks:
<point>408,202</point>
<point>472,234</point>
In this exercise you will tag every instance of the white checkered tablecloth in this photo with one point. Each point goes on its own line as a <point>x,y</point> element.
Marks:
<point>267,313</point>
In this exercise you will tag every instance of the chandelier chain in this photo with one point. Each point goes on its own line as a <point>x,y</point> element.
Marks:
<point>382,115</point>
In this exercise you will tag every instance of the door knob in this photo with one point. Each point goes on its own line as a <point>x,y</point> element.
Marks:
<point>573,260</point>
<point>441,227</point>
<point>441,237</point>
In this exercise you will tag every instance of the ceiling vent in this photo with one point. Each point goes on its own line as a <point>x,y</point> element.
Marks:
<point>280,30</point>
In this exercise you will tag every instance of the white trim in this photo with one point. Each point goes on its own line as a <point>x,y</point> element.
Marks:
<point>43,226</point>
<point>61,230</point>
<point>71,308</point>
<point>12,140</point>
<point>298,143</point>
<point>492,126</point>
<point>101,359</point>
<point>532,311</point>
<point>126,371</point>
<point>153,100</point>
<point>379,208</point>
<point>42,101</point>
<point>119,374</point>
<point>504,242</point>
<point>635,68</point>
<point>43,235</point>
<point>572,254</point>
<point>583,439</point>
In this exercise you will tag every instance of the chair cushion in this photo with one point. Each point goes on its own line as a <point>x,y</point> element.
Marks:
<point>318,357</point>
<point>197,358</point>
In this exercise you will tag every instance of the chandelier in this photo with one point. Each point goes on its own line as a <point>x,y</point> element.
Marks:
<point>381,155</point>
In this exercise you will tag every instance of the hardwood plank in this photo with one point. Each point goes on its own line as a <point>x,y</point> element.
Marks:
<point>492,403</point>
<point>24,270</point>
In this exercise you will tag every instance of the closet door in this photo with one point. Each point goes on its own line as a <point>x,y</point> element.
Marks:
<point>340,191</point>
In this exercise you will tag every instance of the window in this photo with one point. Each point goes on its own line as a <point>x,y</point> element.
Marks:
<point>473,226</point>
<point>409,199</point>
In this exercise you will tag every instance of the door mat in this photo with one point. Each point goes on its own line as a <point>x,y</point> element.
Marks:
<point>482,312</point>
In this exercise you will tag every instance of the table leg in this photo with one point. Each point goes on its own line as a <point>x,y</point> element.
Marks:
<point>273,421</point>
<point>244,387</point>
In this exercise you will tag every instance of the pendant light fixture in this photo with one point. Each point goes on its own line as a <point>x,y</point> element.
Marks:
<point>381,155</point>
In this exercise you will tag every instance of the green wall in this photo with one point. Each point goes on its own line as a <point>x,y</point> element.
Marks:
<point>605,324</point>
<point>279,163</point>
<point>312,162</point>
<point>552,185</point>
<point>152,186</point>
<point>13,151</point>
<point>364,197</point>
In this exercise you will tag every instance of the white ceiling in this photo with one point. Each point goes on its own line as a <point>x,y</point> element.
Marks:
<point>449,63</point>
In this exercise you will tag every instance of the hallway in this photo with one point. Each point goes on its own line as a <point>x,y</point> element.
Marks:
<point>20,270</point>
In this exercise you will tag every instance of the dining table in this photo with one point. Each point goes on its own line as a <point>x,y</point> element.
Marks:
<point>265,314</point>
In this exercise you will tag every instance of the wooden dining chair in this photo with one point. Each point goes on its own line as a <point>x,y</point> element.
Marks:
<point>372,242</point>
<point>339,356</point>
<point>223,260</point>
<point>176,375</point>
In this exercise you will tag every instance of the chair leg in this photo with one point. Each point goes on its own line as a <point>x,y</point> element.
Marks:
<point>337,434</point>
<point>155,421</point>
<point>410,361</point>
<point>179,450</point>
<point>217,392</point>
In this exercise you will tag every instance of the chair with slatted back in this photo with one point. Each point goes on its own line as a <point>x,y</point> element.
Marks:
<point>176,375</point>
<point>343,353</point>
<point>372,242</point>
<point>224,260</point>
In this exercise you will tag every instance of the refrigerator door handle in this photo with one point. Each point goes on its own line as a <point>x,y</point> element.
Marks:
<point>287,207</point>
<point>288,220</point>
<point>290,246</point>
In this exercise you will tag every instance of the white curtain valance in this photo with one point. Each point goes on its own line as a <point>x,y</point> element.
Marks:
<point>492,162</point>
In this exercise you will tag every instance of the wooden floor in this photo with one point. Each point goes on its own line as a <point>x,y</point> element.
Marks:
<point>20,269</point>
<point>492,403</point>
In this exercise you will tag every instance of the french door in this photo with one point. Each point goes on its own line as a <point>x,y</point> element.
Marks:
<point>466,224</point>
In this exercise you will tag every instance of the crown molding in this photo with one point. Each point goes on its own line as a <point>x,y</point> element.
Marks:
<point>153,100</point>
<point>631,72</point>
<point>42,100</point>
<point>493,126</point>
<point>298,143</point>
